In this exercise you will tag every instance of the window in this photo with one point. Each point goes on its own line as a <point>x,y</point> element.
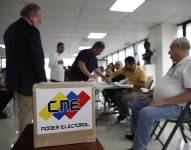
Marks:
<point>179,31</point>
<point>3,63</point>
<point>110,59</point>
<point>68,61</point>
<point>102,62</point>
<point>141,51</point>
<point>115,57</point>
<point>122,56</point>
<point>47,69</point>
<point>188,31</point>
<point>129,51</point>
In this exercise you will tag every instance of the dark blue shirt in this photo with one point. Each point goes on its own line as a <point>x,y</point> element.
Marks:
<point>90,60</point>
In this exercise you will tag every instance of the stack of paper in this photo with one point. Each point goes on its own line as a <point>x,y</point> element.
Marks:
<point>124,85</point>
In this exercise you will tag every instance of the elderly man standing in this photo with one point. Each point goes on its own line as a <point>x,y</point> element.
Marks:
<point>24,60</point>
<point>173,91</point>
<point>56,64</point>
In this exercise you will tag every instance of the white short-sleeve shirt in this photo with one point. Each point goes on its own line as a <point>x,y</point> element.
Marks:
<point>176,80</point>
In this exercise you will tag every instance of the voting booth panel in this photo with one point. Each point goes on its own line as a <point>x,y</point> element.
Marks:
<point>64,113</point>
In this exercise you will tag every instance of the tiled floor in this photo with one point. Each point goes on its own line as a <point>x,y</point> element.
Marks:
<point>109,132</point>
<point>111,135</point>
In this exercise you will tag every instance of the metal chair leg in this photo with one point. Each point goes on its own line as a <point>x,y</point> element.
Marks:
<point>182,131</point>
<point>161,130</point>
<point>155,128</point>
<point>170,137</point>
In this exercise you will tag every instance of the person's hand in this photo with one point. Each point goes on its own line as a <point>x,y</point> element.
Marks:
<point>60,62</point>
<point>142,96</point>
<point>93,76</point>
<point>107,80</point>
<point>157,103</point>
<point>127,82</point>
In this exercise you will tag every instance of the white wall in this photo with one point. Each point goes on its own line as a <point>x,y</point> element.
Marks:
<point>169,33</point>
<point>155,37</point>
<point>160,37</point>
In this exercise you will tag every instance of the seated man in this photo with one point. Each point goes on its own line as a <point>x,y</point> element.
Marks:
<point>173,91</point>
<point>135,76</point>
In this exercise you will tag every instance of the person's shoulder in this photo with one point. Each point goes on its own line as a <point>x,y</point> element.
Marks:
<point>14,24</point>
<point>33,31</point>
<point>139,69</point>
<point>186,62</point>
<point>25,26</point>
<point>22,23</point>
<point>122,70</point>
<point>84,52</point>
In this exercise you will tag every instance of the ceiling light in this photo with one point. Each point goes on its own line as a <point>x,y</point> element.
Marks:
<point>126,5</point>
<point>96,35</point>
<point>2,45</point>
<point>83,47</point>
<point>75,54</point>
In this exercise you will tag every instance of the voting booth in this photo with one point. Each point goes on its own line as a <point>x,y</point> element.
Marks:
<point>64,113</point>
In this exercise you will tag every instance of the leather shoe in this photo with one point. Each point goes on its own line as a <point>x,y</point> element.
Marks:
<point>3,115</point>
<point>129,137</point>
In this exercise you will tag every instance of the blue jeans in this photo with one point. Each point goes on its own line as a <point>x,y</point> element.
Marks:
<point>143,118</point>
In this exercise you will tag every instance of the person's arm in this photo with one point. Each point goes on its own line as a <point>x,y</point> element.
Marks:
<point>36,55</point>
<point>99,73</point>
<point>179,99</point>
<point>2,84</point>
<point>108,79</point>
<point>143,96</point>
<point>137,83</point>
<point>84,69</point>
<point>53,63</point>
<point>115,74</point>
<point>104,78</point>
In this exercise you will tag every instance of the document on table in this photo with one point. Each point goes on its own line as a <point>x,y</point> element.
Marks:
<point>123,81</point>
<point>124,85</point>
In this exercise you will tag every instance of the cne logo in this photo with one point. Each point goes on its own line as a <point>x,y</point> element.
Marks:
<point>62,105</point>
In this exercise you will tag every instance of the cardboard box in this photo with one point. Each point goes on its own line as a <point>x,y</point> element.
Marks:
<point>64,113</point>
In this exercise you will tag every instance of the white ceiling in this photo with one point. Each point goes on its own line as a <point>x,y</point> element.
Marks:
<point>71,21</point>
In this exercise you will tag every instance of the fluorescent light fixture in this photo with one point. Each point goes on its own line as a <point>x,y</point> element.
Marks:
<point>2,45</point>
<point>126,5</point>
<point>75,54</point>
<point>96,35</point>
<point>83,47</point>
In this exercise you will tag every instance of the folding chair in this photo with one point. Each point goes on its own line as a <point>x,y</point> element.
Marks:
<point>149,82</point>
<point>181,122</point>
